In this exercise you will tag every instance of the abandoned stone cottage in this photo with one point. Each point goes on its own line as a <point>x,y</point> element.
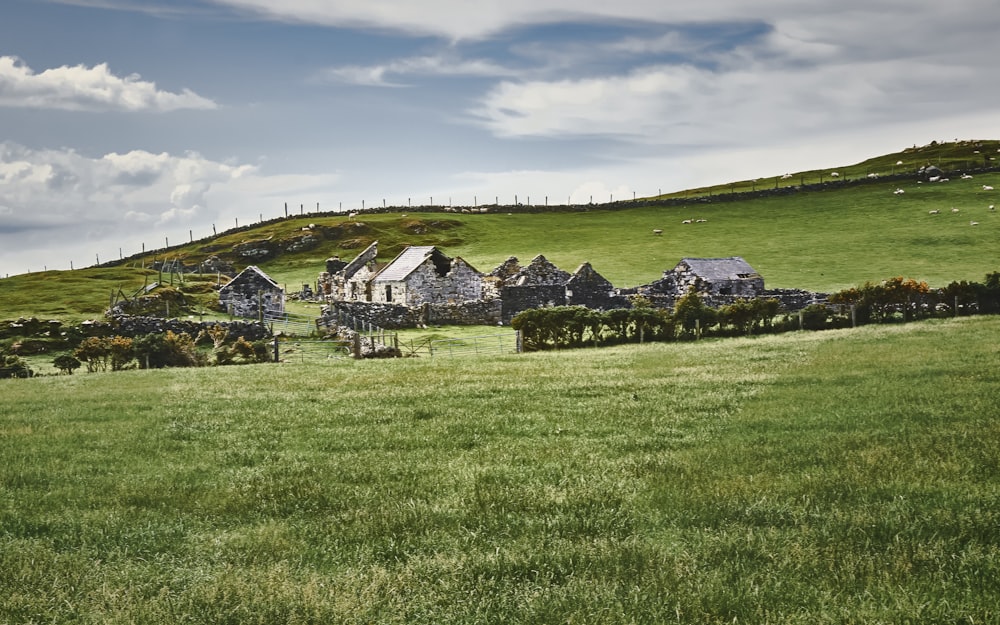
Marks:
<point>424,285</point>
<point>251,293</point>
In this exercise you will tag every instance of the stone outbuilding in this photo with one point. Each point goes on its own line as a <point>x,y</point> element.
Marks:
<point>423,274</point>
<point>730,276</point>
<point>349,281</point>
<point>721,279</point>
<point>251,293</point>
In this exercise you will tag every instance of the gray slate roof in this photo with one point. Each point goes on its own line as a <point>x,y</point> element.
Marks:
<point>721,269</point>
<point>404,264</point>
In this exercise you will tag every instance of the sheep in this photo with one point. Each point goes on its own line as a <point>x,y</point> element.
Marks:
<point>687,221</point>
<point>834,174</point>
<point>700,221</point>
<point>899,162</point>
<point>351,215</point>
<point>991,207</point>
<point>934,212</point>
<point>966,177</point>
<point>873,176</point>
<point>657,231</point>
<point>987,187</point>
<point>786,176</point>
<point>973,223</point>
<point>898,192</point>
<point>954,210</point>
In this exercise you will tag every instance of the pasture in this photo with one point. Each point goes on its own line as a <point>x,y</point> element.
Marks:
<point>826,477</point>
<point>818,240</point>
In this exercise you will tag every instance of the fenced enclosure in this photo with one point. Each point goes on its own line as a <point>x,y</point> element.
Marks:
<point>495,344</point>
<point>292,324</point>
<point>312,350</point>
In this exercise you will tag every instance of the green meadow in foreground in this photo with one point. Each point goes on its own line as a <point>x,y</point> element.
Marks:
<point>832,477</point>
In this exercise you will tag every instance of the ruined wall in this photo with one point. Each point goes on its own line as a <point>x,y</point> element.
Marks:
<point>133,326</point>
<point>588,288</point>
<point>397,316</point>
<point>518,298</point>
<point>248,293</point>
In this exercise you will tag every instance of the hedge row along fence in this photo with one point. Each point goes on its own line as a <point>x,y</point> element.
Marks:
<point>890,301</point>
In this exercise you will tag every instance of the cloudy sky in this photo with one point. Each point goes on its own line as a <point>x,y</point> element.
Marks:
<point>126,123</point>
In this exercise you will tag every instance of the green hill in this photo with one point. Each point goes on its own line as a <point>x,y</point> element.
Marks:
<point>809,230</point>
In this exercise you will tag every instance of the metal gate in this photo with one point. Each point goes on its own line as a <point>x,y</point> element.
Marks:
<point>301,351</point>
<point>496,344</point>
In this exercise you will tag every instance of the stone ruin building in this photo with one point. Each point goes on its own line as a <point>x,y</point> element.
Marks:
<point>422,285</point>
<point>251,294</point>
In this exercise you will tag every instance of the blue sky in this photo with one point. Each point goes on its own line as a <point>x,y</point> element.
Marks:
<point>131,122</point>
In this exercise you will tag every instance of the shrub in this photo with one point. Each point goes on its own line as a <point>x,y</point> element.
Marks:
<point>66,363</point>
<point>814,317</point>
<point>95,352</point>
<point>14,367</point>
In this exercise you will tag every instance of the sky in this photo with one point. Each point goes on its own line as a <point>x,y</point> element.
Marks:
<point>133,124</point>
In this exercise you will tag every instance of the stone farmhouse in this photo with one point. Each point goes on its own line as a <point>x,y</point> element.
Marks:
<point>424,275</point>
<point>251,293</point>
<point>423,285</point>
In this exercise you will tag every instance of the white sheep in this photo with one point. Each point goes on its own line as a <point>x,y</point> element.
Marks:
<point>351,215</point>
<point>657,231</point>
<point>973,223</point>
<point>934,212</point>
<point>987,187</point>
<point>991,207</point>
<point>966,177</point>
<point>834,174</point>
<point>954,210</point>
<point>687,221</point>
<point>873,176</point>
<point>700,221</point>
<point>786,176</point>
<point>898,192</point>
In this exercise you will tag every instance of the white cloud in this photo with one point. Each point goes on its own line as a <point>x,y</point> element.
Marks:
<point>81,88</point>
<point>434,65</point>
<point>119,200</point>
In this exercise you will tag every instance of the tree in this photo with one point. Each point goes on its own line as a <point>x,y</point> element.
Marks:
<point>66,363</point>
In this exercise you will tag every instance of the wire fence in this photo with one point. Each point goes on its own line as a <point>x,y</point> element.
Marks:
<point>493,344</point>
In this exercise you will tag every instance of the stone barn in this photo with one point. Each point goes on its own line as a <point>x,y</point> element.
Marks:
<point>731,276</point>
<point>251,292</point>
<point>423,274</point>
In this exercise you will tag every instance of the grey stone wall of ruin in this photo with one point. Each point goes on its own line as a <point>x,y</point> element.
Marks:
<point>396,316</point>
<point>518,298</point>
<point>588,288</point>
<point>133,326</point>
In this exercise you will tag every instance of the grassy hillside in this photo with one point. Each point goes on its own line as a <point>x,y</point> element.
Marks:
<point>822,240</point>
<point>830,477</point>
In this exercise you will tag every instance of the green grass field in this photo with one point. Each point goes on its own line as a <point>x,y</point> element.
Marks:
<point>832,477</point>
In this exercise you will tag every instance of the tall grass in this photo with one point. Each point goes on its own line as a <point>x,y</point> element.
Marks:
<point>842,476</point>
